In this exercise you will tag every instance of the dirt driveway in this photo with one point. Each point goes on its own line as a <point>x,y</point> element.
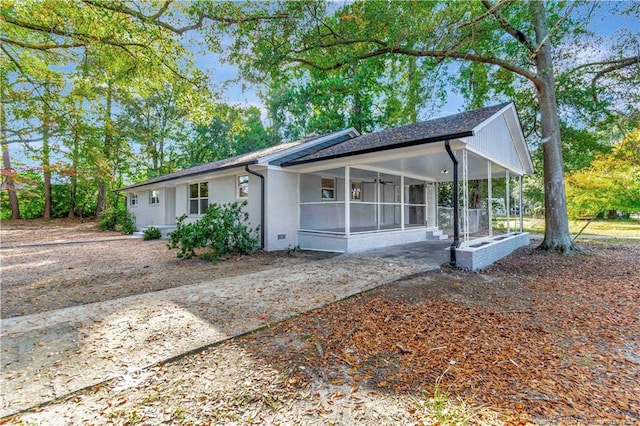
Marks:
<point>81,311</point>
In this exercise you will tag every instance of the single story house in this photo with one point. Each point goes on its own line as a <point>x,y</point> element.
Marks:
<point>344,191</point>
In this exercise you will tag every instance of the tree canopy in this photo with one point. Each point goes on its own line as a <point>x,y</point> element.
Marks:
<point>100,92</point>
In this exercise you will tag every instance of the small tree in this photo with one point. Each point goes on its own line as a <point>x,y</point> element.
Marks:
<point>223,230</point>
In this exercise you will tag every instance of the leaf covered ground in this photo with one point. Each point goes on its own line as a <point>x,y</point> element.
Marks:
<point>539,338</point>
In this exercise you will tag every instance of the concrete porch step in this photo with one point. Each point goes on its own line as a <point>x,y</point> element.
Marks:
<point>164,229</point>
<point>437,235</point>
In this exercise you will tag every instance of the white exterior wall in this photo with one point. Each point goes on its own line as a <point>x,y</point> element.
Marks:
<point>147,214</point>
<point>282,209</point>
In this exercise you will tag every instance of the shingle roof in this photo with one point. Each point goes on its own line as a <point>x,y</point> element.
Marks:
<point>439,129</point>
<point>227,163</point>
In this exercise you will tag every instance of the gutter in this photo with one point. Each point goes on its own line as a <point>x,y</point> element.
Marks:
<point>456,231</point>
<point>262,201</point>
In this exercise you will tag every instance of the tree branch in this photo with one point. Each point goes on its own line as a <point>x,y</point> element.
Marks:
<point>42,47</point>
<point>517,34</point>
<point>119,7</point>
<point>438,54</point>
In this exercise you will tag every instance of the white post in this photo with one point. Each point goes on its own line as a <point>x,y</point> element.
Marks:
<point>507,204</point>
<point>490,198</point>
<point>347,201</point>
<point>401,202</point>
<point>465,197</point>
<point>520,207</point>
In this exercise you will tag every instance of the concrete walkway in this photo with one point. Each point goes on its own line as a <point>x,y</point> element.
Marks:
<point>52,354</point>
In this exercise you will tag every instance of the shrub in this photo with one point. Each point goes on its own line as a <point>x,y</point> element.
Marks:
<point>151,233</point>
<point>223,230</point>
<point>117,219</point>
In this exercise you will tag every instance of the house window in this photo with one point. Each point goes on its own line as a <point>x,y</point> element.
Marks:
<point>133,199</point>
<point>154,197</point>
<point>198,197</point>
<point>242,184</point>
<point>328,189</point>
<point>356,191</point>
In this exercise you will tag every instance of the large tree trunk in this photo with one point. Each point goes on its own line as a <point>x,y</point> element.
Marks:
<point>556,237</point>
<point>7,171</point>
<point>106,151</point>
<point>75,153</point>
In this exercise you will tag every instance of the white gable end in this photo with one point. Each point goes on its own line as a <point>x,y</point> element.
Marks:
<point>496,141</point>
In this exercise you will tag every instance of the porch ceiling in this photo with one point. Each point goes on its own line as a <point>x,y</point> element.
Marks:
<point>423,163</point>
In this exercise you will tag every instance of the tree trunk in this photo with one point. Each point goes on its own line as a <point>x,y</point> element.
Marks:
<point>556,237</point>
<point>7,172</point>
<point>46,166</point>
<point>75,152</point>
<point>106,151</point>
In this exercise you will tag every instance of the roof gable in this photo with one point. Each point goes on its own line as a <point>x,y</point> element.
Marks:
<point>451,127</point>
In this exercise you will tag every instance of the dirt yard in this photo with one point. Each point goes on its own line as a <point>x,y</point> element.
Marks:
<point>537,338</point>
<point>41,271</point>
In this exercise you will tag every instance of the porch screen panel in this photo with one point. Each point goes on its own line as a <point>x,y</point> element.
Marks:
<point>322,201</point>
<point>415,199</point>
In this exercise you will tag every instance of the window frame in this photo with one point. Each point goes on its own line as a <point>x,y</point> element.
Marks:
<point>133,199</point>
<point>154,197</point>
<point>199,198</point>
<point>239,187</point>
<point>324,188</point>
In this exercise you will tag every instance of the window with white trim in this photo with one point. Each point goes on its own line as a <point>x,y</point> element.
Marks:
<point>242,185</point>
<point>154,197</point>
<point>328,188</point>
<point>133,199</point>
<point>198,197</point>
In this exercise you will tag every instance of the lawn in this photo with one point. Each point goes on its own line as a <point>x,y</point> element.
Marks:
<point>615,228</point>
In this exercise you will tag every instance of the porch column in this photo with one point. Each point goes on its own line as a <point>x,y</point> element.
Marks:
<point>465,197</point>
<point>402,202</point>
<point>490,198</point>
<point>507,203</point>
<point>347,201</point>
<point>520,207</point>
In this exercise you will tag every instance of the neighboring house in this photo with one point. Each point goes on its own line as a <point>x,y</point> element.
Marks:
<point>343,191</point>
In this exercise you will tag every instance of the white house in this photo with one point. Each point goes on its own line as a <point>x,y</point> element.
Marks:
<point>347,192</point>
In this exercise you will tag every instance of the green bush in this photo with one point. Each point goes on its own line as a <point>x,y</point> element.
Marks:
<point>223,230</point>
<point>151,233</point>
<point>117,219</point>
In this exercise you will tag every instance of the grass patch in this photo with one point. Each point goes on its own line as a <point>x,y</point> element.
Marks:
<point>616,228</point>
<point>444,410</point>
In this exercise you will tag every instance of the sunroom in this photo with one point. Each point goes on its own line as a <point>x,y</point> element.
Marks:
<point>381,189</point>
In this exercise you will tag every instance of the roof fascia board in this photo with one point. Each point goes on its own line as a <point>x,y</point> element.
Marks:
<point>267,159</point>
<point>363,159</point>
<point>382,148</point>
<point>189,178</point>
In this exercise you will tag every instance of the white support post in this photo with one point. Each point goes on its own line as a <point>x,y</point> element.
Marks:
<point>435,188</point>
<point>465,197</point>
<point>490,198</point>
<point>378,205</point>
<point>401,201</point>
<point>347,201</point>
<point>521,208</point>
<point>507,203</point>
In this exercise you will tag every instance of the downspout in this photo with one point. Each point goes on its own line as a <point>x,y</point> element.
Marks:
<point>456,231</point>
<point>262,202</point>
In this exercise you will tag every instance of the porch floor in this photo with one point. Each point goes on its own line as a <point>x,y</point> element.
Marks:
<point>431,252</point>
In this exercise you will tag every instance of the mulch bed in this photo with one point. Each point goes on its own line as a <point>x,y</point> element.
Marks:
<point>538,337</point>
